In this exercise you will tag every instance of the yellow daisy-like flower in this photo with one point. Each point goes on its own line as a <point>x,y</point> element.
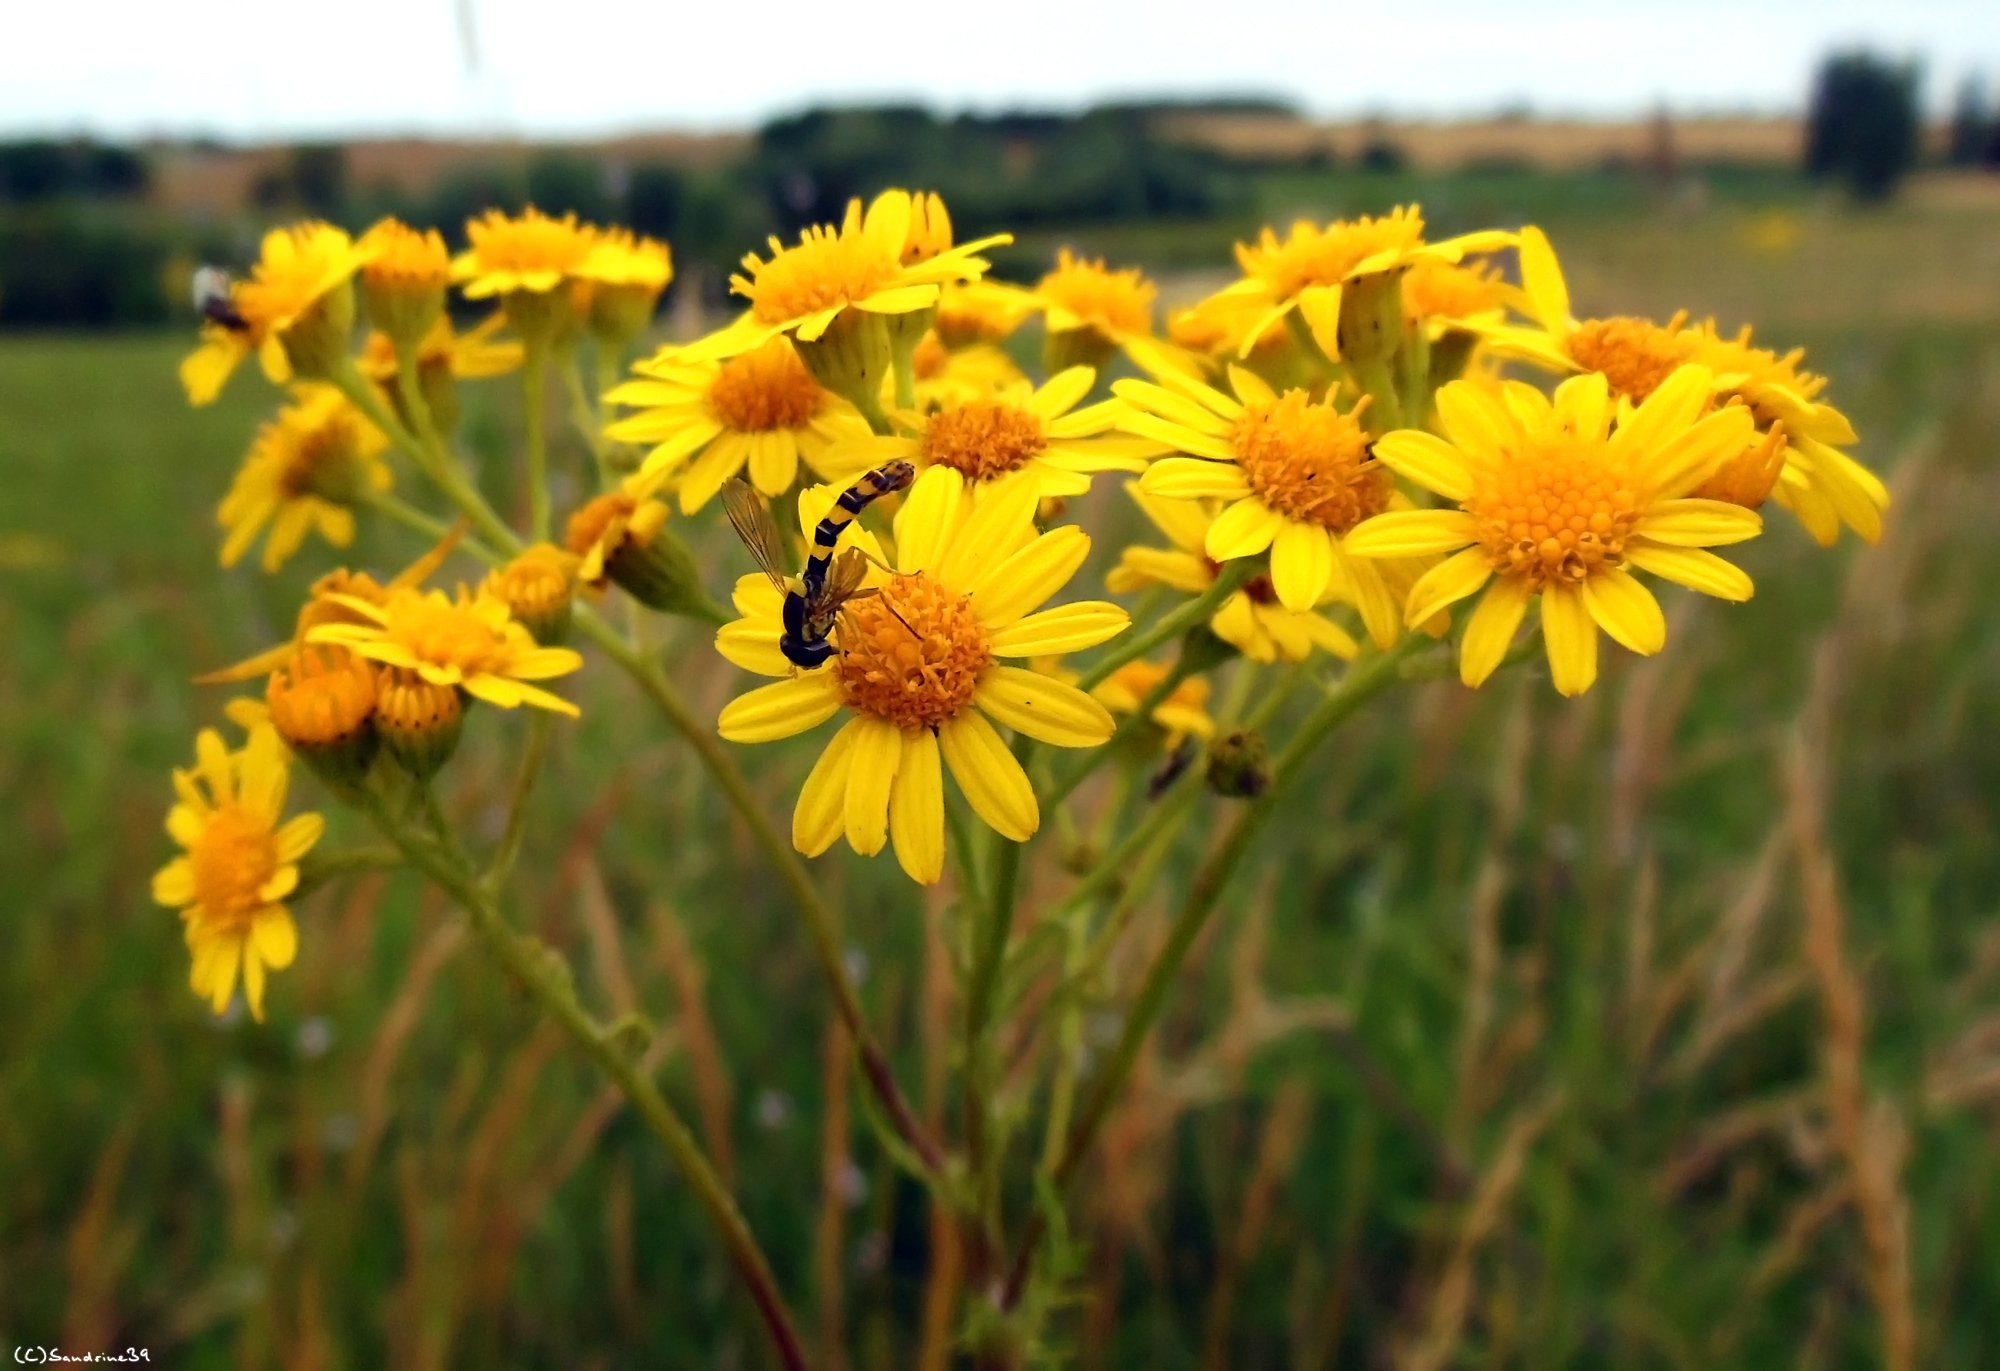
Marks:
<point>444,358</point>
<point>873,263</point>
<point>304,472</point>
<point>239,864</point>
<point>921,674</point>
<point>1310,267</point>
<point>1036,433</point>
<point>1562,501</point>
<point>1438,294</point>
<point>1634,355</point>
<point>469,642</point>
<point>1184,713</point>
<point>708,420</point>
<point>627,273</point>
<point>404,280</point>
<point>1091,311</point>
<point>1296,476</point>
<point>1251,620</point>
<point>1797,458</point>
<point>971,313</point>
<point>529,252</point>
<point>295,311</point>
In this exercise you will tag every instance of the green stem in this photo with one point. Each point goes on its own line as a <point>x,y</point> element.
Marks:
<point>1163,817</point>
<point>317,868</point>
<point>414,519</point>
<point>1127,726</point>
<point>819,919</point>
<point>529,964</point>
<point>534,386</point>
<point>610,369</point>
<point>437,465</point>
<point>1232,578</point>
<point>583,414</point>
<point>517,804</point>
<point>1367,679</point>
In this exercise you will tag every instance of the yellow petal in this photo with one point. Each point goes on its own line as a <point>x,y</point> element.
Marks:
<point>173,884</point>
<point>1061,392</point>
<point>1148,398</point>
<point>1066,628</point>
<point>1178,437</point>
<point>1571,639</point>
<point>274,937</point>
<point>1542,279</point>
<point>1489,632</point>
<point>1006,590</point>
<point>1381,614</point>
<point>872,762</point>
<point>1139,567</point>
<point>1301,564</point>
<point>817,818</point>
<point>1698,523</point>
<point>1042,707</point>
<point>1411,533</point>
<point>1426,459</point>
<point>988,775</point>
<point>1626,610</point>
<point>1450,581</point>
<point>1194,478</point>
<point>753,645</point>
<point>916,808</point>
<point>1477,422</point>
<point>1244,529</point>
<point>780,709</point>
<point>1001,522</point>
<point>1583,403</point>
<point>1670,410</point>
<point>1691,567</point>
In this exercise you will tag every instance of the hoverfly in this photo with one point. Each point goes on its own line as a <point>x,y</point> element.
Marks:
<point>212,299</point>
<point>814,598</point>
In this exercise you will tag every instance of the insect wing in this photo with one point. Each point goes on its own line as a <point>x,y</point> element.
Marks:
<point>752,521</point>
<point>843,578</point>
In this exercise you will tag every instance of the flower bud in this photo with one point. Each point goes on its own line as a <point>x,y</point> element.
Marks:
<point>1371,317</point>
<point>1239,765</point>
<point>404,281</point>
<point>316,342</point>
<point>322,703</point>
<point>538,588</point>
<point>622,538</point>
<point>419,721</point>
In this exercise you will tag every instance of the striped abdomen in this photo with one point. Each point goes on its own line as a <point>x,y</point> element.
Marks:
<point>886,479</point>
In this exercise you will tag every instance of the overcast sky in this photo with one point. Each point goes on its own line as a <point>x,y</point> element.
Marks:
<point>254,69</point>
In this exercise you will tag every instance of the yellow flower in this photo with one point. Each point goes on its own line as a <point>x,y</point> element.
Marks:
<point>1634,355</point>
<point>1295,475</point>
<point>1439,294</point>
<point>970,313</point>
<point>1040,433</point>
<point>863,266</point>
<point>1310,268</point>
<point>529,252</point>
<point>628,273</point>
<point>239,864</point>
<point>1251,620</point>
<point>761,409</point>
<point>469,642</point>
<point>1182,714</point>
<point>920,671</point>
<point>296,311</point>
<point>1556,501</point>
<point>1797,458</point>
<point>305,471</point>
<point>1091,311</point>
<point>538,587</point>
<point>404,280</point>
<point>950,375</point>
<point>472,355</point>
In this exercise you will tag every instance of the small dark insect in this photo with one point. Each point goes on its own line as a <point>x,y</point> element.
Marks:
<point>212,299</point>
<point>814,598</point>
<point>1176,765</point>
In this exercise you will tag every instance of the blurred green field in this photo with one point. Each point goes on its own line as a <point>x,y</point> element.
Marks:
<point>1514,1052</point>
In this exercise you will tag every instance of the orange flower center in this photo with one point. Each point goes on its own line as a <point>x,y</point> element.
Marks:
<point>319,460</point>
<point>591,523</point>
<point>1309,462</point>
<point>911,654</point>
<point>1557,513</point>
<point>232,859</point>
<point>825,269</point>
<point>321,696</point>
<point>1443,290</point>
<point>533,242</point>
<point>1635,355</point>
<point>405,258</point>
<point>446,634</point>
<point>982,439</point>
<point>535,584</point>
<point>930,358</point>
<point>765,389</point>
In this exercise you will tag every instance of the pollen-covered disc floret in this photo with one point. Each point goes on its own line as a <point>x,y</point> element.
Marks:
<point>238,865</point>
<point>922,671</point>
<point>530,251</point>
<point>912,653</point>
<point>1555,505</point>
<point>982,439</point>
<point>1310,462</point>
<point>1634,354</point>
